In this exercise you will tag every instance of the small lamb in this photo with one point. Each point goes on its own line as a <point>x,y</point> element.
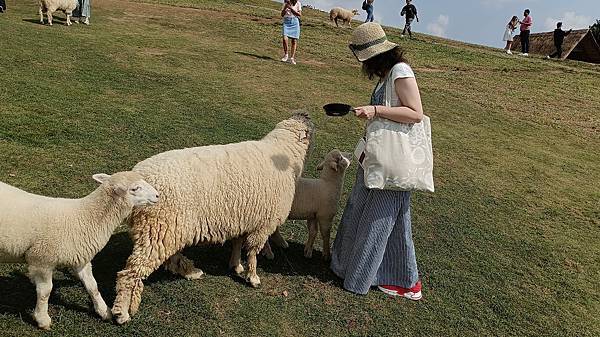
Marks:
<point>50,6</point>
<point>344,14</point>
<point>49,232</point>
<point>316,200</point>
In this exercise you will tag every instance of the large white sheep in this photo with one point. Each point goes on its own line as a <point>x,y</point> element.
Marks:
<point>210,194</point>
<point>49,232</point>
<point>50,6</point>
<point>343,14</point>
<point>316,201</point>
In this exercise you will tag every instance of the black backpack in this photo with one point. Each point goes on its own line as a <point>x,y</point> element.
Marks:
<point>365,5</point>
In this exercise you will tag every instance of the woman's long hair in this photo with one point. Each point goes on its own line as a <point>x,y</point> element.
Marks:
<point>513,21</point>
<point>380,65</point>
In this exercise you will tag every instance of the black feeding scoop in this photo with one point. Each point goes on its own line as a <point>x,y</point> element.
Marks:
<point>337,109</point>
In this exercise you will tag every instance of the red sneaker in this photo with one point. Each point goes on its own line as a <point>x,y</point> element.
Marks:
<point>413,293</point>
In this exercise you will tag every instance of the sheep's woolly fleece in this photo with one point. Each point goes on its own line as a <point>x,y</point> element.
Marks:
<point>211,194</point>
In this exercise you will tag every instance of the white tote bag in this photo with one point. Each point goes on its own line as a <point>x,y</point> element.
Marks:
<point>398,156</point>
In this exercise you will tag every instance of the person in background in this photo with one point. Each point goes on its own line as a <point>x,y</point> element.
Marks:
<point>2,6</point>
<point>83,12</point>
<point>369,9</point>
<point>525,32</point>
<point>410,13</point>
<point>559,38</point>
<point>374,244</point>
<point>508,33</point>
<point>291,12</point>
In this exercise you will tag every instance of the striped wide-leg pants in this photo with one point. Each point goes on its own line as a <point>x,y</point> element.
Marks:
<point>374,244</point>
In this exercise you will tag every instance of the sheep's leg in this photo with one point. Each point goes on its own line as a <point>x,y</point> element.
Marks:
<point>49,14</point>
<point>235,261</point>
<point>181,265</point>
<point>278,239</point>
<point>129,281</point>
<point>68,14</point>
<point>267,251</point>
<point>311,224</point>
<point>254,243</point>
<point>89,282</point>
<point>336,24</point>
<point>325,229</point>
<point>42,278</point>
<point>41,15</point>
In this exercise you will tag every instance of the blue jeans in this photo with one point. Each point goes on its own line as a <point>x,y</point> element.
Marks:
<point>369,14</point>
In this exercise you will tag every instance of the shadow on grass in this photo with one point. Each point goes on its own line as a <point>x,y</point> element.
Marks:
<point>260,57</point>
<point>55,20</point>
<point>18,297</point>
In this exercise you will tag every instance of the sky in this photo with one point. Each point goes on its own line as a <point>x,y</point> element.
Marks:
<point>476,21</point>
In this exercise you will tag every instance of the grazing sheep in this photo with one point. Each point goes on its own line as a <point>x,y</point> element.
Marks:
<point>49,232</point>
<point>344,14</point>
<point>316,200</point>
<point>210,194</point>
<point>50,6</point>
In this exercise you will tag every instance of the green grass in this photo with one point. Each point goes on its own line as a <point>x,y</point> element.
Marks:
<point>507,246</point>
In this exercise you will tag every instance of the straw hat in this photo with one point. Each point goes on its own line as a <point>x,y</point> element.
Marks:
<point>369,40</point>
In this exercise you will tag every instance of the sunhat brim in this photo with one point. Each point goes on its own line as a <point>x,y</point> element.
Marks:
<point>365,52</point>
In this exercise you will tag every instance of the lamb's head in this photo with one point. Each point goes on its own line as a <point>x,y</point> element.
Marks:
<point>130,186</point>
<point>355,12</point>
<point>336,161</point>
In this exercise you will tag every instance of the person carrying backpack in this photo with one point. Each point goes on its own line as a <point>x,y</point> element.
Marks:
<point>367,5</point>
<point>410,13</point>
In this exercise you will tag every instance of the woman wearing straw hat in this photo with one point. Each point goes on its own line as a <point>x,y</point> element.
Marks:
<point>373,245</point>
<point>291,12</point>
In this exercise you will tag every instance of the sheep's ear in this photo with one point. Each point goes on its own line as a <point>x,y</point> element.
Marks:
<point>101,177</point>
<point>320,166</point>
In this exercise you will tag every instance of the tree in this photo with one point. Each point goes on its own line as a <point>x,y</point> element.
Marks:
<point>595,28</point>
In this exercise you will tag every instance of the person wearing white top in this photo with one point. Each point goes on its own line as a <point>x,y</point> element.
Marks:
<point>291,13</point>
<point>508,33</point>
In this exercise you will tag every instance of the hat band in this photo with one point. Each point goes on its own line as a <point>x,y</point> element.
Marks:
<point>359,47</point>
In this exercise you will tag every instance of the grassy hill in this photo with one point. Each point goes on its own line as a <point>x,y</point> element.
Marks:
<point>507,246</point>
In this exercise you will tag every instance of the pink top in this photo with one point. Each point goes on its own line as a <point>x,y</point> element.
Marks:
<point>297,7</point>
<point>526,23</point>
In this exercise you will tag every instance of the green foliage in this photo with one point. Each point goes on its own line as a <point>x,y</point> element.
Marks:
<point>595,28</point>
<point>507,246</point>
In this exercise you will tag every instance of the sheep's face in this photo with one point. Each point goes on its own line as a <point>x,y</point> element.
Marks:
<point>130,186</point>
<point>335,160</point>
<point>355,12</point>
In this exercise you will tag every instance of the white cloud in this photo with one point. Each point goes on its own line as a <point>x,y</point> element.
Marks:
<point>569,20</point>
<point>439,26</point>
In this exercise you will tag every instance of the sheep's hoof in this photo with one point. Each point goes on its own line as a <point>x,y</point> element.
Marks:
<point>195,274</point>
<point>308,252</point>
<point>254,281</point>
<point>43,321</point>
<point>239,269</point>
<point>120,317</point>
<point>105,314</point>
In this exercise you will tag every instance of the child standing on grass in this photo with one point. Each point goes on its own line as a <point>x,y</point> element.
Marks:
<point>374,245</point>
<point>410,13</point>
<point>559,38</point>
<point>508,33</point>
<point>291,12</point>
